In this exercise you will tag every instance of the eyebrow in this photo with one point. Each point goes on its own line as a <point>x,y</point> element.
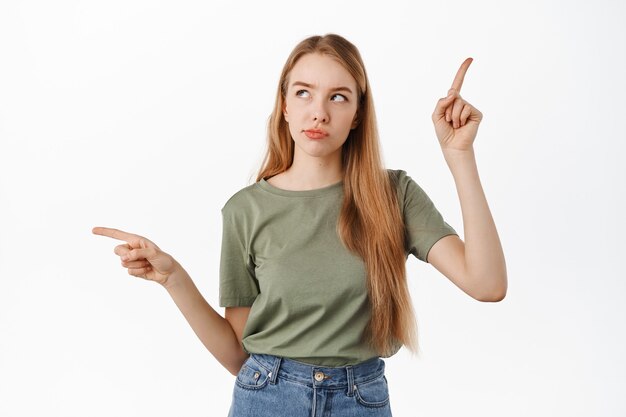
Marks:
<point>311,86</point>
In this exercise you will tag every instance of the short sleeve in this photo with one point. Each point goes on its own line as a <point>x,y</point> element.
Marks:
<point>238,284</point>
<point>424,225</point>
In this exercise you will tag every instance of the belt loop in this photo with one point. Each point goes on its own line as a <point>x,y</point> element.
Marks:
<point>274,373</point>
<point>350,380</point>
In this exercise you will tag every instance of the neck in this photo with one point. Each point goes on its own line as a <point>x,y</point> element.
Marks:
<point>308,172</point>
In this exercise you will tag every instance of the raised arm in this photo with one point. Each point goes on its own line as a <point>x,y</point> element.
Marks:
<point>477,266</point>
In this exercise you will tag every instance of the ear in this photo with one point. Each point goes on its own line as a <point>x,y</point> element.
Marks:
<point>355,121</point>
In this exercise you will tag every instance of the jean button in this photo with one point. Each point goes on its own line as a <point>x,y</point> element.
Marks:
<point>319,376</point>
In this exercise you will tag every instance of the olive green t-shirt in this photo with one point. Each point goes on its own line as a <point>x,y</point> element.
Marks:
<point>281,254</point>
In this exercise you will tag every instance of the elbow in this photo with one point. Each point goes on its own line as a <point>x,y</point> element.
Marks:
<point>234,372</point>
<point>237,368</point>
<point>492,297</point>
<point>494,294</point>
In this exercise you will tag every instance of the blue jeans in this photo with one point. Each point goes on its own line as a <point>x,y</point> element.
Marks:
<point>274,386</point>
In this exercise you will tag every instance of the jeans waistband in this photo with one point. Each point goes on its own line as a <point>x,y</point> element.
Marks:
<point>320,376</point>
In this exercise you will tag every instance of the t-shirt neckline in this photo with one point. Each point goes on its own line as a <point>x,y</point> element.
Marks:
<point>329,189</point>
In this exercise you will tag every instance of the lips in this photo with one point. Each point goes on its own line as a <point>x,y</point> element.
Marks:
<point>315,133</point>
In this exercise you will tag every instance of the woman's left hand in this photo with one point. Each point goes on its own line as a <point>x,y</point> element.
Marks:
<point>456,121</point>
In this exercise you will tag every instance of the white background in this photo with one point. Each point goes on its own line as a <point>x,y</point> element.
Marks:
<point>148,115</point>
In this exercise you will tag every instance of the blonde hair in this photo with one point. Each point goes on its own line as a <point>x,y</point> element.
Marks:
<point>370,223</point>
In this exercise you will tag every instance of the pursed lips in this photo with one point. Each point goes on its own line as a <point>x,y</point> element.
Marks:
<point>316,132</point>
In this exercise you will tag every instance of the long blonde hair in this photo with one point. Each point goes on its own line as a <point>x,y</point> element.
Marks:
<point>370,223</point>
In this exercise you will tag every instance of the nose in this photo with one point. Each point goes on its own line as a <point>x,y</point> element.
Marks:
<point>320,115</point>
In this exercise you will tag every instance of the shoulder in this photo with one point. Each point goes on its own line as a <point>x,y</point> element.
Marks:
<point>403,182</point>
<point>239,202</point>
<point>400,176</point>
<point>410,193</point>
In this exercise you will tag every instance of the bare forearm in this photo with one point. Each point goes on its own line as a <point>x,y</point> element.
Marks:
<point>484,258</point>
<point>213,330</point>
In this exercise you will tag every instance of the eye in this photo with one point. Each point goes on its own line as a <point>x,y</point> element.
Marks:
<point>301,91</point>
<point>343,98</point>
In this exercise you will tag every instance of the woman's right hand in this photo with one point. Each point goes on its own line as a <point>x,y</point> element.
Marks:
<point>142,257</point>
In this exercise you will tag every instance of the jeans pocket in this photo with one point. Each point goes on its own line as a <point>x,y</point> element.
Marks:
<point>374,393</point>
<point>252,375</point>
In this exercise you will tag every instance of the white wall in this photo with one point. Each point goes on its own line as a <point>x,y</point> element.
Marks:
<point>147,115</point>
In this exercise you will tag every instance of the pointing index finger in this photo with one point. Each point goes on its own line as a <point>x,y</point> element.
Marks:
<point>114,233</point>
<point>460,75</point>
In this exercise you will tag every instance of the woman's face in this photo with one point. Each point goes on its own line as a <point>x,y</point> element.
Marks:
<point>321,96</point>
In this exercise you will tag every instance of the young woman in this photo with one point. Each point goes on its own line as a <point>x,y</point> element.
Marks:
<point>312,271</point>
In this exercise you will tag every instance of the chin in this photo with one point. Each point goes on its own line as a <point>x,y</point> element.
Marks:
<point>318,150</point>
